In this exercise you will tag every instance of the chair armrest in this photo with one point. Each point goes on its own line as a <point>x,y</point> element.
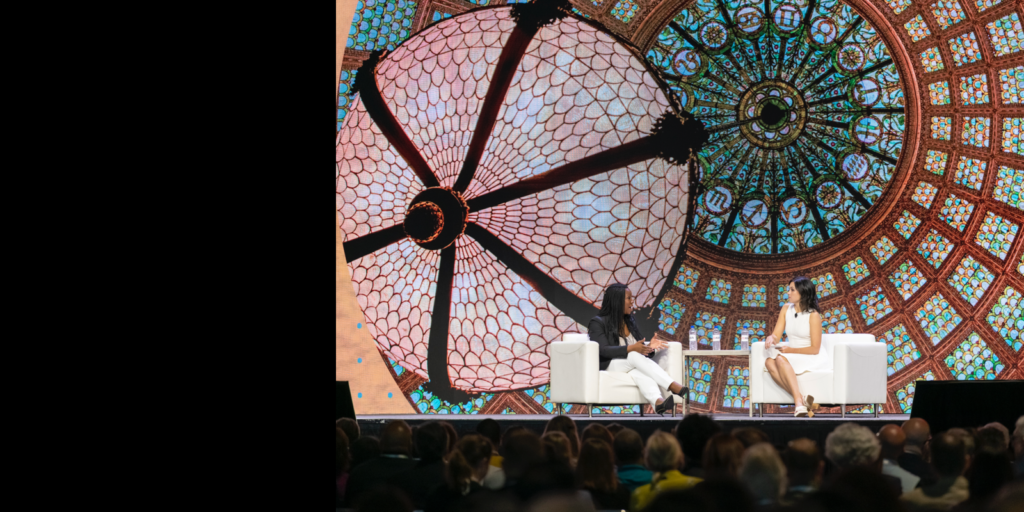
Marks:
<point>757,356</point>
<point>672,361</point>
<point>860,373</point>
<point>574,372</point>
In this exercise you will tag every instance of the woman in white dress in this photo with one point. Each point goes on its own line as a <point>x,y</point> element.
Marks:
<point>803,353</point>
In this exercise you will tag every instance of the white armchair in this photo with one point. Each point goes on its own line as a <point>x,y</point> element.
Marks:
<point>858,374</point>
<point>576,377</point>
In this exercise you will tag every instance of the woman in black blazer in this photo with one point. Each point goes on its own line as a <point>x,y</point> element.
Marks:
<point>622,348</point>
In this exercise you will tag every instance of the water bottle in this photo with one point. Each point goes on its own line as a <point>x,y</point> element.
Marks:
<point>745,339</point>
<point>716,340</point>
<point>693,338</point>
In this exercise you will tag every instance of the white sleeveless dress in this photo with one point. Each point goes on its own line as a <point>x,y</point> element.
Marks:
<point>799,332</point>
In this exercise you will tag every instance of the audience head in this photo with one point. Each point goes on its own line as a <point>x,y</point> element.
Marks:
<point>556,447</point>
<point>1010,498</point>
<point>396,438</point>
<point>598,431</point>
<point>989,472</point>
<point>431,441</point>
<point>562,503</point>
<point>387,498</point>
<point>992,439</point>
<point>855,489</point>
<point>615,428</point>
<point>453,436</point>
<point>917,432</point>
<point>803,462</point>
<point>596,467</point>
<point>749,436</point>
<point>511,431</point>
<point>521,450</point>
<point>763,472</point>
<point>949,455</point>
<point>693,432</point>
<point>341,453</point>
<point>722,456</point>
<point>350,427</point>
<point>490,429</point>
<point>663,452</point>
<point>852,445</point>
<point>1018,438</point>
<point>469,460</point>
<point>892,439</point>
<point>364,449</point>
<point>629,447</point>
<point>567,426</point>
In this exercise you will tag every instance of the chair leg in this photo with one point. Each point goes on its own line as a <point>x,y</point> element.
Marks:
<point>877,407</point>
<point>641,410</point>
<point>760,410</point>
<point>751,415</point>
<point>590,411</point>
<point>843,408</point>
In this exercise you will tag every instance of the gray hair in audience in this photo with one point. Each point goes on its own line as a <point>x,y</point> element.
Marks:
<point>966,437</point>
<point>852,445</point>
<point>762,470</point>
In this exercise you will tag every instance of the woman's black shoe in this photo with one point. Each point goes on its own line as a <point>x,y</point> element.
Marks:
<point>665,406</point>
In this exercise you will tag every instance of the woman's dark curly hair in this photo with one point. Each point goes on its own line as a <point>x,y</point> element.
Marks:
<point>808,293</point>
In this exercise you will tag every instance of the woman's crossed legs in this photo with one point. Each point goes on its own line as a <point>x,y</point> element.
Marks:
<point>783,375</point>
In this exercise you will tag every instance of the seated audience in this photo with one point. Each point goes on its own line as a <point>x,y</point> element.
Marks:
<point>663,457</point>
<point>629,459</point>
<point>693,432</point>
<point>1017,443</point>
<point>914,458</point>
<point>495,478</point>
<point>749,436</point>
<point>428,472</point>
<point>395,447</point>
<point>363,449</point>
<point>722,456</point>
<point>991,440</point>
<point>804,469</point>
<point>990,471</point>
<point>893,439</point>
<point>597,430</point>
<point>1005,432</point>
<point>520,450</point>
<point>490,429</point>
<point>595,473</point>
<point>383,498</point>
<point>350,427</point>
<point>615,428</point>
<point>949,461</point>
<point>762,471</point>
<point>856,488</point>
<point>453,437</point>
<point>567,426</point>
<point>341,458</point>
<point>556,448</point>
<point>467,467</point>
<point>852,445</point>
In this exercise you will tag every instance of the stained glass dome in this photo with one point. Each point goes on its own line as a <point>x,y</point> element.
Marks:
<point>507,167</point>
<point>806,114</point>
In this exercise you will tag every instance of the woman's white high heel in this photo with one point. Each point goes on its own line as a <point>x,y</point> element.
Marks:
<point>801,412</point>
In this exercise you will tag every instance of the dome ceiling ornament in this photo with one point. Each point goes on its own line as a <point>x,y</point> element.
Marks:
<point>806,110</point>
<point>508,164</point>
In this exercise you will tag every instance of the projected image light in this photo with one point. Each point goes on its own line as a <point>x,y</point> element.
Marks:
<point>496,172</point>
<point>807,114</point>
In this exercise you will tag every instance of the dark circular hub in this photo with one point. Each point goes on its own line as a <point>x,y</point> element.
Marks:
<point>773,113</point>
<point>436,217</point>
<point>424,222</point>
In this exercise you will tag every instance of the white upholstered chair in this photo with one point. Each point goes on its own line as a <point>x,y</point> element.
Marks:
<point>858,374</point>
<point>576,377</point>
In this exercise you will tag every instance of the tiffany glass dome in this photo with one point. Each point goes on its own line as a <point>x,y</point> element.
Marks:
<point>806,112</point>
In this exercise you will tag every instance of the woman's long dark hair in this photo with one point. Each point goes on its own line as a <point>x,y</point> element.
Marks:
<point>808,293</point>
<point>613,307</point>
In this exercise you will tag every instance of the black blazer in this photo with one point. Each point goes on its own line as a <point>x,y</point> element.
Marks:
<point>608,340</point>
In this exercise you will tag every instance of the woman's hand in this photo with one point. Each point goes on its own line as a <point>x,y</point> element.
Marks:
<point>784,349</point>
<point>639,347</point>
<point>658,343</point>
<point>769,341</point>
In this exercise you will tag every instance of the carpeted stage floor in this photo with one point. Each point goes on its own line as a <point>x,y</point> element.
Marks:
<point>780,428</point>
